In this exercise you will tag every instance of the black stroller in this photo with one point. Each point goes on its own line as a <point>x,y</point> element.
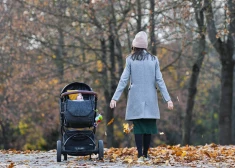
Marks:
<point>75,119</point>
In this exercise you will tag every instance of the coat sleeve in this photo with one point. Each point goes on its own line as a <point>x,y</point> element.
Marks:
<point>123,81</point>
<point>161,84</point>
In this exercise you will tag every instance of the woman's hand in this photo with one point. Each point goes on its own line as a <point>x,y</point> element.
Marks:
<point>170,105</point>
<point>112,104</point>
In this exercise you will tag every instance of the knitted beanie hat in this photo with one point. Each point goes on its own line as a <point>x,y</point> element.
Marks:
<point>140,40</point>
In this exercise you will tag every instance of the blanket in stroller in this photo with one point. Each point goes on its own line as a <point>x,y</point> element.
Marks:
<point>79,113</point>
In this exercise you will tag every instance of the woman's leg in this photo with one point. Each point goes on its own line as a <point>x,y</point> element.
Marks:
<point>139,143</point>
<point>147,139</point>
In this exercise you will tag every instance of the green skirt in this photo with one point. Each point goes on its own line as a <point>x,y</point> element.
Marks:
<point>145,126</point>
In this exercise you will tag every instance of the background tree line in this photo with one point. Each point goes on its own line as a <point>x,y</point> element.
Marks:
<point>46,45</point>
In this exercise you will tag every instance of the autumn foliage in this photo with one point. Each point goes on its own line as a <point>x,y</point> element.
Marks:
<point>177,155</point>
<point>46,45</point>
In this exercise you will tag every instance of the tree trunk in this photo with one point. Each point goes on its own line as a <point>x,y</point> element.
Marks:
<point>107,94</point>
<point>5,135</point>
<point>82,46</point>
<point>59,55</point>
<point>153,45</point>
<point>119,55</point>
<point>233,106</point>
<point>225,50</point>
<point>192,90</point>
<point>139,16</point>
<point>231,6</point>
<point>109,114</point>
<point>114,45</point>
<point>128,40</point>
<point>60,51</point>
<point>225,114</point>
<point>104,79</point>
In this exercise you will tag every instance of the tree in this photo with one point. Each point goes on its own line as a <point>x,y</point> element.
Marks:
<point>223,42</point>
<point>153,42</point>
<point>48,44</point>
<point>192,86</point>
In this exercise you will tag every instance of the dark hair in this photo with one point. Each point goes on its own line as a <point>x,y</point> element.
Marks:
<point>138,54</point>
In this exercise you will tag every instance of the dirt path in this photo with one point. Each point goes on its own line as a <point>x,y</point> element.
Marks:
<point>40,159</point>
<point>26,159</point>
<point>46,159</point>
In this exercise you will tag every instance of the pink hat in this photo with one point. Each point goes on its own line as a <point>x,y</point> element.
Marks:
<point>140,40</point>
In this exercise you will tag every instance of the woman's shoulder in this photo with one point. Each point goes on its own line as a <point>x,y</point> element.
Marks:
<point>154,57</point>
<point>128,57</point>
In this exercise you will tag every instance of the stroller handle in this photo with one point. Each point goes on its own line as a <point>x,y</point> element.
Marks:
<point>79,91</point>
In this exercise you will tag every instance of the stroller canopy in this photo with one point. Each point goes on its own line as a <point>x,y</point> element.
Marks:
<point>76,86</point>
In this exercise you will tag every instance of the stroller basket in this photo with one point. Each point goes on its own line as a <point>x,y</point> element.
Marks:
<point>79,140</point>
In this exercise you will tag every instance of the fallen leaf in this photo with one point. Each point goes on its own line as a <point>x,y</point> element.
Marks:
<point>127,128</point>
<point>167,163</point>
<point>11,165</point>
<point>207,154</point>
<point>184,153</point>
<point>114,156</point>
<point>111,121</point>
<point>178,153</point>
<point>128,160</point>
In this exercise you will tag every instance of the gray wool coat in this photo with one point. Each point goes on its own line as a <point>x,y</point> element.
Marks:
<point>145,75</point>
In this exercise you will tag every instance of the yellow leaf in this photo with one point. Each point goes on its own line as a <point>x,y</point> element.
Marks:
<point>128,160</point>
<point>99,66</point>
<point>184,153</point>
<point>126,128</point>
<point>111,121</point>
<point>53,81</point>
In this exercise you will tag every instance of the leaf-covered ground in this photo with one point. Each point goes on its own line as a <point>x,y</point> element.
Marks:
<point>162,156</point>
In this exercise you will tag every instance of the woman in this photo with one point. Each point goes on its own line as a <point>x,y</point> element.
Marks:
<point>144,73</point>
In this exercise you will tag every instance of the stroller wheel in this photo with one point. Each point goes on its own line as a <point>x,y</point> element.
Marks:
<point>101,149</point>
<point>58,151</point>
<point>65,156</point>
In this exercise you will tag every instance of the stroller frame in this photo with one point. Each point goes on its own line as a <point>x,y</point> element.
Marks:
<point>77,142</point>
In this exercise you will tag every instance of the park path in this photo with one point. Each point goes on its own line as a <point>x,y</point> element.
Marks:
<point>40,159</point>
<point>47,159</point>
